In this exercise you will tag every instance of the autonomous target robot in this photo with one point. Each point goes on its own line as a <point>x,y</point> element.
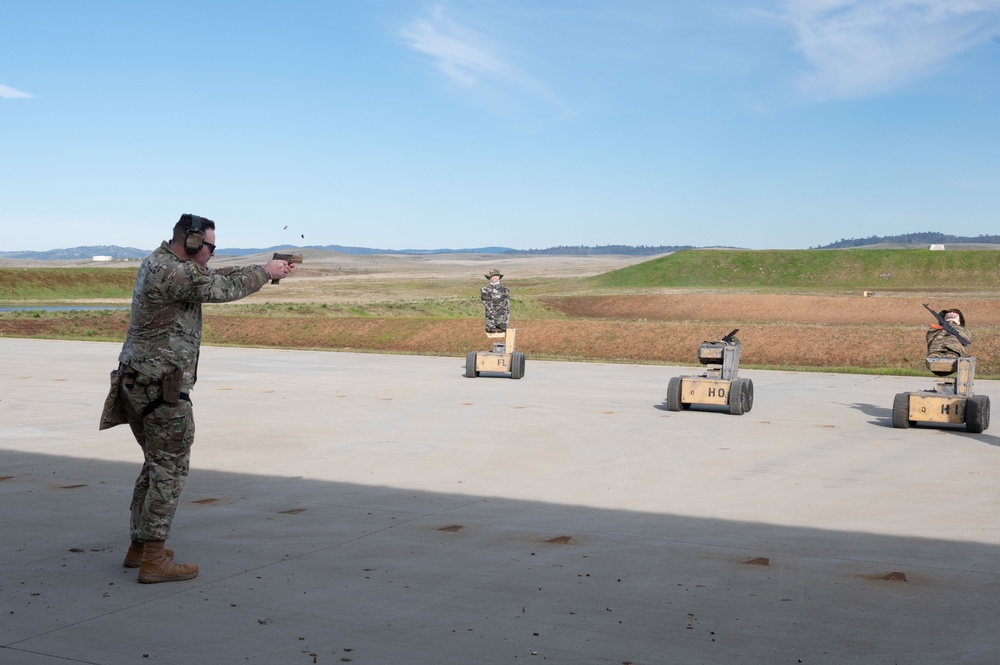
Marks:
<point>719,385</point>
<point>953,400</point>
<point>502,358</point>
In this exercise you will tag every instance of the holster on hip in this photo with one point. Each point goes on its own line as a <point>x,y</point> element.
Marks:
<point>170,387</point>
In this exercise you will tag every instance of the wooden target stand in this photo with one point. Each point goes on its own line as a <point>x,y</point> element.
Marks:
<point>501,359</point>
<point>952,401</point>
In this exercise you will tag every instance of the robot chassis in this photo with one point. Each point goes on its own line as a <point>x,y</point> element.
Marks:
<point>952,401</point>
<point>502,358</point>
<point>720,385</point>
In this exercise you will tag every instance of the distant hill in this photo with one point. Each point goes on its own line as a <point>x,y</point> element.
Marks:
<point>908,240</point>
<point>74,253</point>
<point>582,250</point>
<point>243,251</point>
<point>121,253</point>
<point>921,240</point>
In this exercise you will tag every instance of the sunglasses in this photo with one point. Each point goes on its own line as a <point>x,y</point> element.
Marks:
<point>211,247</point>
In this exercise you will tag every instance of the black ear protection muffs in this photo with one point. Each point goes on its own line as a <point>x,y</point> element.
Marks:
<point>194,240</point>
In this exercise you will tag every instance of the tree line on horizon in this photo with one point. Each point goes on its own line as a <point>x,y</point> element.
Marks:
<point>118,253</point>
<point>922,238</point>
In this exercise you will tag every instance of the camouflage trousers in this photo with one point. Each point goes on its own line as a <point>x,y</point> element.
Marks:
<point>496,319</point>
<point>165,435</point>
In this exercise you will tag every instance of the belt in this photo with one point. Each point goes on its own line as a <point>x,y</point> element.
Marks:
<point>158,402</point>
<point>130,377</point>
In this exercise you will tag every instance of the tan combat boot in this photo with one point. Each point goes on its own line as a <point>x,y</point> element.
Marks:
<point>134,555</point>
<point>156,567</point>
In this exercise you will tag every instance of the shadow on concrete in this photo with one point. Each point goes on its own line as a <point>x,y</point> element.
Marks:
<point>883,418</point>
<point>301,570</point>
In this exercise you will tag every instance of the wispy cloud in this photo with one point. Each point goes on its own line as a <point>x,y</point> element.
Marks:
<point>862,47</point>
<point>6,92</point>
<point>469,58</point>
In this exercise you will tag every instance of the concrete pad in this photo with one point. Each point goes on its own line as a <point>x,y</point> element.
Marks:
<point>386,509</point>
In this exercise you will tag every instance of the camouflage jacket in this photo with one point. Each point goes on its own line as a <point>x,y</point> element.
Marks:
<point>164,334</point>
<point>940,342</point>
<point>496,299</point>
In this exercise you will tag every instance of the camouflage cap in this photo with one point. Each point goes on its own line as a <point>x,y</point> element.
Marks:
<point>493,273</point>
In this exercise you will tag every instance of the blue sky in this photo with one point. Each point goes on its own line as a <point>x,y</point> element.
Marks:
<point>524,123</point>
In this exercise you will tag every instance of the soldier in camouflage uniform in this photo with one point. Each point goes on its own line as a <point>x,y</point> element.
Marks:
<point>158,368</point>
<point>940,342</point>
<point>496,302</point>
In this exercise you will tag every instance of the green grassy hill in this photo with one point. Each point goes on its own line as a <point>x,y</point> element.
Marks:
<point>55,284</point>
<point>864,269</point>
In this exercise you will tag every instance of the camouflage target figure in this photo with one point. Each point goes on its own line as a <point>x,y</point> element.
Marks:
<point>496,302</point>
<point>158,367</point>
<point>951,338</point>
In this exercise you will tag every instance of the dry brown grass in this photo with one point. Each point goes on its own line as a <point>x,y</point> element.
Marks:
<point>883,333</point>
<point>662,330</point>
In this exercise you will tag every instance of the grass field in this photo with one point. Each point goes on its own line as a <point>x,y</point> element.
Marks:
<point>851,269</point>
<point>796,310</point>
<point>64,284</point>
